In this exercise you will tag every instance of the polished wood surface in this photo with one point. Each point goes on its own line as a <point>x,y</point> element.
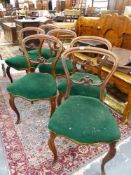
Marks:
<point>117,29</point>
<point>67,25</point>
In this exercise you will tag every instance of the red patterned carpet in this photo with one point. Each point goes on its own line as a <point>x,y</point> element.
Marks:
<point>26,144</point>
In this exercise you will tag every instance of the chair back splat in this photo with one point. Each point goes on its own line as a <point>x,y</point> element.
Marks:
<point>89,62</point>
<point>53,43</point>
<point>29,31</point>
<point>18,62</point>
<point>91,41</point>
<point>79,89</point>
<point>65,35</point>
<point>48,27</point>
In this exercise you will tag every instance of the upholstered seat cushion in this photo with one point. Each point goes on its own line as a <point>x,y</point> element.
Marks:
<point>85,120</point>
<point>59,66</point>
<point>80,89</point>
<point>19,62</point>
<point>45,53</point>
<point>34,86</point>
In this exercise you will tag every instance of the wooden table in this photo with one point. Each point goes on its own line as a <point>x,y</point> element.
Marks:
<point>10,32</point>
<point>121,80</point>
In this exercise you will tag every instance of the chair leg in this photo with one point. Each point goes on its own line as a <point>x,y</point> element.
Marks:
<point>13,106</point>
<point>53,105</point>
<point>111,153</point>
<point>32,71</point>
<point>59,99</point>
<point>3,66</point>
<point>127,110</point>
<point>52,147</point>
<point>8,74</point>
<point>4,71</point>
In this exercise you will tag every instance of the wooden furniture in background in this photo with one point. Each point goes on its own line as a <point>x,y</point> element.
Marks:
<point>117,29</point>
<point>20,24</point>
<point>10,32</point>
<point>60,5</point>
<point>120,5</point>
<point>108,27</point>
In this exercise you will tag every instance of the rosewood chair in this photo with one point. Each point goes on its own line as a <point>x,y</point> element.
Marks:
<point>80,89</point>
<point>48,27</point>
<point>19,62</point>
<point>66,37</point>
<point>85,120</point>
<point>36,86</point>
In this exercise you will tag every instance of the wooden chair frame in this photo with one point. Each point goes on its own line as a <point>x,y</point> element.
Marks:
<point>20,38</point>
<point>112,146</point>
<point>48,27</point>
<point>62,34</point>
<point>42,38</point>
<point>86,39</point>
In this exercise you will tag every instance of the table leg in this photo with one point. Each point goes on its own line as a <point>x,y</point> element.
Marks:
<point>127,110</point>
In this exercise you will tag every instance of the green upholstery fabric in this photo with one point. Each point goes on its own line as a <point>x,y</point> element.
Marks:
<point>34,86</point>
<point>59,67</point>
<point>19,62</point>
<point>84,90</point>
<point>85,120</point>
<point>45,53</point>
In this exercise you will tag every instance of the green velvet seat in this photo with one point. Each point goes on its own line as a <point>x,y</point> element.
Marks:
<point>34,86</point>
<point>80,89</point>
<point>19,62</point>
<point>59,68</point>
<point>84,123</point>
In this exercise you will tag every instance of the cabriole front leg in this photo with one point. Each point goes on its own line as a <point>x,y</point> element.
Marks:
<point>111,153</point>
<point>13,106</point>
<point>53,105</point>
<point>52,147</point>
<point>8,74</point>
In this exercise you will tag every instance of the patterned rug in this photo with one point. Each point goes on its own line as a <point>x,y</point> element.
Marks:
<point>26,144</point>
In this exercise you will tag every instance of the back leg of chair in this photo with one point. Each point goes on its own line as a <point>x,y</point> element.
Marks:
<point>111,153</point>
<point>3,66</point>
<point>13,106</point>
<point>59,99</point>
<point>53,105</point>
<point>8,73</point>
<point>4,71</point>
<point>52,147</point>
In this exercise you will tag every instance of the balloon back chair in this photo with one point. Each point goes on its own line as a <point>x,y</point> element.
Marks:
<point>48,27</point>
<point>85,120</point>
<point>36,86</point>
<point>65,36</point>
<point>80,89</point>
<point>18,62</point>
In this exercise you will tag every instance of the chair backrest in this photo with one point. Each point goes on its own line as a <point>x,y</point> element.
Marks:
<point>54,44</point>
<point>91,41</point>
<point>48,27</point>
<point>29,31</point>
<point>63,34</point>
<point>88,61</point>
